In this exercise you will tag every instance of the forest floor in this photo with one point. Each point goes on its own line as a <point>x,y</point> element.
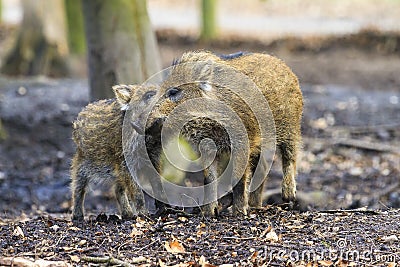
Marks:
<point>348,182</point>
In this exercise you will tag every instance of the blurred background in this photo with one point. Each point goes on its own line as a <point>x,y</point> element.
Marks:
<point>57,55</point>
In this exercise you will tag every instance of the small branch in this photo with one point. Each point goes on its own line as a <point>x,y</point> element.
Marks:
<point>367,145</point>
<point>113,261</point>
<point>360,210</point>
<point>387,190</point>
<point>239,238</point>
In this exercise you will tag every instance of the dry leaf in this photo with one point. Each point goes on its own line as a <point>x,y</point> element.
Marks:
<point>55,227</point>
<point>139,259</point>
<point>183,219</point>
<point>139,224</point>
<point>390,238</point>
<point>344,263</point>
<point>272,236</point>
<point>200,233</point>
<point>191,239</point>
<point>73,228</point>
<point>174,246</point>
<point>253,256</point>
<point>135,233</point>
<point>74,258</point>
<point>325,263</point>
<point>201,225</point>
<point>203,262</point>
<point>82,242</point>
<point>162,264</point>
<point>266,231</point>
<point>18,232</point>
<point>296,227</point>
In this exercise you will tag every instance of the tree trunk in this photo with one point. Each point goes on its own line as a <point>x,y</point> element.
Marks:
<point>76,33</point>
<point>1,12</point>
<point>146,40</point>
<point>3,134</point>
<point>208,20</point>
<point>120,43</point>
<point>41,47</point>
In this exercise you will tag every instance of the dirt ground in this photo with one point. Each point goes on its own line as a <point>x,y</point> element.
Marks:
<point>350,160</point>
<point>268,237</point>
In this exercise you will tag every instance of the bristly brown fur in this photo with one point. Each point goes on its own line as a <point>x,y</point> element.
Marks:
<point>97,133</point>
<point>281,89</point>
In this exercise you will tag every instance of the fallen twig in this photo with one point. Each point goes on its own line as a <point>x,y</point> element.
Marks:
<point>387,190</point>
<point>113,261</point>
<point>367,145</point>
<point>356,143</point>
<point>23,262</point>
<point>240,238</point>
<point>360,210</point>
<point>347,130</point>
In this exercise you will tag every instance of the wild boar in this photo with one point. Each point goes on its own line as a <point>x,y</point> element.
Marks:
<point>196,75</point>
<point>97,133</point>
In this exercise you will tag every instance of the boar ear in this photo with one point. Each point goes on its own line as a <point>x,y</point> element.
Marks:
<point>204,71</point>
<point>123,93</point>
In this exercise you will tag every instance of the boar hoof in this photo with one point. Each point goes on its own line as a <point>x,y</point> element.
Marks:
<point>240,211</point>
<point>288,195</point>
<point>210,210</point>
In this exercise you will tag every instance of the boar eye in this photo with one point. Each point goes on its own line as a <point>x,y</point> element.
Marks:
<point>148,95</point>
<point>173,93</point>
<point>205,86</point>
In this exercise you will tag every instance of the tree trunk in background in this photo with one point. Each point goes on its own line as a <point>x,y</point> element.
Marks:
<point>121,44</point>
<point>150,56</point>
<point>41,47</point>
<point>208,19</point>
<point>76,33</point>
<point>3,134</point>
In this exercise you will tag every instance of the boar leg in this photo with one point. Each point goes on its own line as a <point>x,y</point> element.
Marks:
<point>211,175</point>
<point>123,202</point>
<point>130,191</point>
<point>256,197</point>
<point>241,194</point>
<point>241,190</point>
<point>80,180</point>
<point>122,184</point>
<point>289,154</point>
<point>136,196</point>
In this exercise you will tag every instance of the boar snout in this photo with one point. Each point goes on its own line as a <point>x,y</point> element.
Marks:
<point>156,126</point>
<point>153,129</point>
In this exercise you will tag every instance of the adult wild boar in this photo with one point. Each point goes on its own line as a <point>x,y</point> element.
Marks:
<point>201,75</point>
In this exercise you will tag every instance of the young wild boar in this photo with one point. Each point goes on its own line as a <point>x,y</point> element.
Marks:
<point>278,85</point>
<point>97,133</point>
